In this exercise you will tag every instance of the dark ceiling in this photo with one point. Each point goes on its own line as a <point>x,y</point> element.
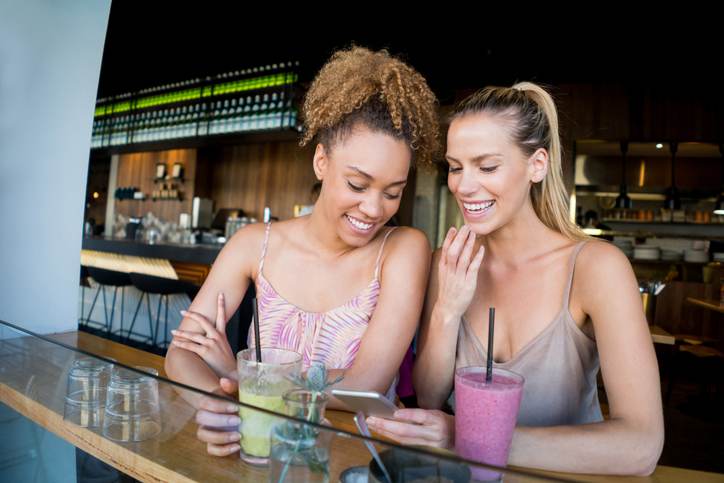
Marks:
<point>149,45</point>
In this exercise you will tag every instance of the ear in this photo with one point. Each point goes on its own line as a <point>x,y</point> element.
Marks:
<point>538,165</point>
<point>321,161</point>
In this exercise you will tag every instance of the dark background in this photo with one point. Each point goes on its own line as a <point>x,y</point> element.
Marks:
<point>154,43</point>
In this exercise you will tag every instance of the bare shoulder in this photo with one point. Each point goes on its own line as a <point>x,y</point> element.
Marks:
<point>602,270</point>
<point>599,259</point>
<point>243,250</point>
<point>405,239</point>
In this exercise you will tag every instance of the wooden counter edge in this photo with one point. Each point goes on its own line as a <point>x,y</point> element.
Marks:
<point>119,457</point>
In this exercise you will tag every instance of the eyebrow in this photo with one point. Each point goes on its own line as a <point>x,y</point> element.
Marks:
<point>370,177</point>
<point>477,159</point>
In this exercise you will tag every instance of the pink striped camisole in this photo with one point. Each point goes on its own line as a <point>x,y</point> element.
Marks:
<point>331,338</point>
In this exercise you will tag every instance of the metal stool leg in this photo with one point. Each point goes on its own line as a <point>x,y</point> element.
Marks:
<point>123,296</point>
<point>158,319</point>
<point>152,333</point>
<point>90,313</point>
<point>109,327</point>
<point>165,326</point>
<point>135,314</point>
<point>105,305</point>
<point>163,340</point>
<point>82,302</point>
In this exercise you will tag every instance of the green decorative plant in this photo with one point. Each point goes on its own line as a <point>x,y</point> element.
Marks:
<point>304,436</point>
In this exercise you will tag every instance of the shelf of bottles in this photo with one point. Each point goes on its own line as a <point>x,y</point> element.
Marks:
<point>255,99</point>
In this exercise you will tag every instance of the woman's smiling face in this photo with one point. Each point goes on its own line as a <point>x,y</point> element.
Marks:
<point>488,173</point>
<point>363,178</point>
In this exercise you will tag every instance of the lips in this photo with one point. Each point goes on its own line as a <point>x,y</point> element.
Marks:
<point>358,224</point>
<point>477,209</point>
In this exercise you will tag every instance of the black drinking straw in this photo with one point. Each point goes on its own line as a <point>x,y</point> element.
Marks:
<point>489,365</point>
<point>257,341</point>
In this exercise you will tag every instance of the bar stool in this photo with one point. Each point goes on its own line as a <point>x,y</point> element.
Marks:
<point>107,278</point>
<point>163,287</point>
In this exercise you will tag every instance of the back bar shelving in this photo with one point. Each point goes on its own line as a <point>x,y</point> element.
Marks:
<point>255,100</point>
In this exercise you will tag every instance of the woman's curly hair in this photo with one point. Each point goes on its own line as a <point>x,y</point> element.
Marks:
<point>358,85</point>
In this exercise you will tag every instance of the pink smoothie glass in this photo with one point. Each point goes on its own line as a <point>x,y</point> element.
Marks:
<point>485,416</point>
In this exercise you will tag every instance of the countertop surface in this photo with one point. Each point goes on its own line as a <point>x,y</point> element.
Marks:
<point>178,455</point>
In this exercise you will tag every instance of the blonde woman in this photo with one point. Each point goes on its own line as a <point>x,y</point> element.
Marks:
<point>562,301</point>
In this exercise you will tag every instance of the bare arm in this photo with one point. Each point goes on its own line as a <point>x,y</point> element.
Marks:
<point>452,284</point>
<point>630,442</point>
<point>230,275</point>
<point>403,278</point>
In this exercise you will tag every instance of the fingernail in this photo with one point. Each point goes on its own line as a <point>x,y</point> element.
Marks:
<point>233,420</point>
<point>231,408</point>
<point>234,437</point>
<point>174,332</point>
<point>221,295</point>
<point>234,449</point>
<point>183,312</point>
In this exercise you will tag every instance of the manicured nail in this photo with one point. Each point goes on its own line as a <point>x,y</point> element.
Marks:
<point>183,312</point>
<point>174,332</point>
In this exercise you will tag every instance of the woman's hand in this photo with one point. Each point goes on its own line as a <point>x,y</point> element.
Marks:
<point>457,272</point>
<point>427,427</point>
<point>219,421</point>
<point>213,346</point>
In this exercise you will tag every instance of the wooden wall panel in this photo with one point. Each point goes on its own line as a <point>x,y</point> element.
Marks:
<point>252,176</point>
<point>138,169</point>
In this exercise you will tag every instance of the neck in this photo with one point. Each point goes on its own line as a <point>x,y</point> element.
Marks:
<point>322,236</point>
<point>519,240</point>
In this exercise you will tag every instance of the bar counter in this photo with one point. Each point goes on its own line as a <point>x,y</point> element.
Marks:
<point>203,254</point>
<point>176,454</point>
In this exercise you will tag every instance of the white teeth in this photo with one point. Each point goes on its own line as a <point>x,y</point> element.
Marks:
<point>478,206</point>
<point>359,224</point>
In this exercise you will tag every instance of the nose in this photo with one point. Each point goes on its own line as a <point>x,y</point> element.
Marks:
<point>467,184</point>
<point>371,206</point>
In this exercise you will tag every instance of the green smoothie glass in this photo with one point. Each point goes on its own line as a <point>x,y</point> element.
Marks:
<point>262,384</point>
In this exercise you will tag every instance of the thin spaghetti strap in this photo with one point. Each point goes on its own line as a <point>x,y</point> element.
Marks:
<point>263,248</point>
<point>379,255</point>
<point>572,266</point>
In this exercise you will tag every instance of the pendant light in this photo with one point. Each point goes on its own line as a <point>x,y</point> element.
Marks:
<point>673,202</point>
<point>623,200</point>
<point>719,206</point>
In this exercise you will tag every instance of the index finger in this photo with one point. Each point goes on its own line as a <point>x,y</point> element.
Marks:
<point>206,326</point>
<point>224,422</point>
<point>401,429</point>
<point>220,313</point>
<point>446,243</point>
<point>218,405</point>
<point>418,416</point>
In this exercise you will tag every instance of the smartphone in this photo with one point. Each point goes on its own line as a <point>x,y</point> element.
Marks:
<point>371,403</point>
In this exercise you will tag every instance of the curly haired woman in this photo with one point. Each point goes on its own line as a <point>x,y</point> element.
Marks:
<point>333,285</point>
